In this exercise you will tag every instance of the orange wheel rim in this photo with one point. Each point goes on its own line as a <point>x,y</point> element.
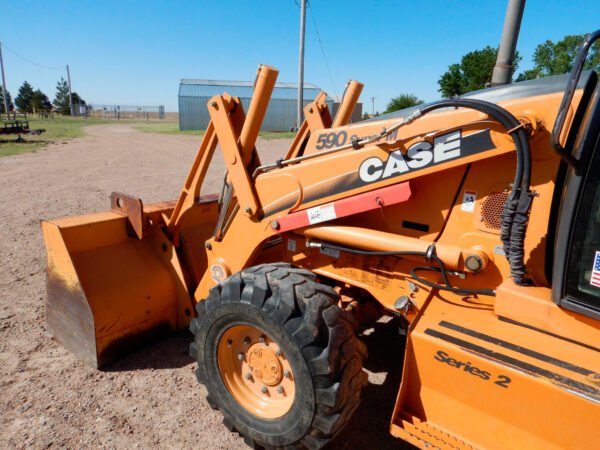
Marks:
<point>256,371</point>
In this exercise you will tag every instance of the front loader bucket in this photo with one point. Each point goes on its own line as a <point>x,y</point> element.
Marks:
<point>117,279</point>
<point>108,289</point>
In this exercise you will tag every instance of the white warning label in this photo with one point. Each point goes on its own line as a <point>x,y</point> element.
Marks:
<point>291,245</point>
<point>321,213</point>
<point>468,202</point>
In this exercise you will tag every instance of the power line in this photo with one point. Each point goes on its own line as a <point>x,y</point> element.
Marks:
<point>29,61</point>
<point>301,63</point>
<point>322,50</point>
<point>333,85</point>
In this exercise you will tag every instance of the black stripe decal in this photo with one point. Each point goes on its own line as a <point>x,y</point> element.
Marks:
<point>515,363</point>
<point>477,142</point>
<point>517,348</point>
<point>471,144</point>
<point>557,336</point>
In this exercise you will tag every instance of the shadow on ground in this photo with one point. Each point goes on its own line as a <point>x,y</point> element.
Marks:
<point>24,140</point>
<point>168,353</point>
<point>369,427</point>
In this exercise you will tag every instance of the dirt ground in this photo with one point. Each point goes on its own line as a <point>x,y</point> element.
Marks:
<point>149,399</point>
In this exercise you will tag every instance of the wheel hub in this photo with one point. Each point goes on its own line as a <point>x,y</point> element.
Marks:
<point>256,371</point>
<point>264,365</point>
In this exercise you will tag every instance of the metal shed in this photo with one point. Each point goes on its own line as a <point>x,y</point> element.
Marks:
<point>281,114</point>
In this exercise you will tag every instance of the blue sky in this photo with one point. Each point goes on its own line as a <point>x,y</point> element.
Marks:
<point>135,53</point>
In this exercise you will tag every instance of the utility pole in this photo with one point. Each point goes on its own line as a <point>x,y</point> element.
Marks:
<point>3,82</point>
<point>508,43</point>
<point>70,94</point>
<point>301,62</point>
<point>373,103</point>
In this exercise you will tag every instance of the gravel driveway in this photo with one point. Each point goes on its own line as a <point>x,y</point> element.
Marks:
<point>149,399</point>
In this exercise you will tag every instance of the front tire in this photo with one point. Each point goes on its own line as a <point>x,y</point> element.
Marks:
<point>278,357</point>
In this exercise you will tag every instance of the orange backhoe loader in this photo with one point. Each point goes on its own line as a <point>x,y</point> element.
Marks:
<point>474,221</point>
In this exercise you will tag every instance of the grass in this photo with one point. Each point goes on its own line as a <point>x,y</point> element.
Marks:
<point>62,129</point>
<point>58,130</point>
<point>277,134</point>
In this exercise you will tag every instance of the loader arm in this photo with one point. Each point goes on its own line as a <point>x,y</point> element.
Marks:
<point>302,184</point>
<point>156,251</point>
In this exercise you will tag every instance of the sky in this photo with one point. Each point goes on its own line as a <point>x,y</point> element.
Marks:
<point>136,52</point>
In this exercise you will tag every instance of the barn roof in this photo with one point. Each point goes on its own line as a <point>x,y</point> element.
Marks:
<point>243,89</point>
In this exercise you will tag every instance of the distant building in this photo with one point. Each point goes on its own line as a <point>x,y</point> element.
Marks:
<point>356,114</point>
<point>281,114</point>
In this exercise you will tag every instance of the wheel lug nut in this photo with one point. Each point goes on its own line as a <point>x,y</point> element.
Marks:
<point>279,353</point>
<point>262,339</point>
<point>241,356</point>
<point>229,343</point>
<point>264,390</point>
<point>247,340</point>
<point>279,390</point>
<point>248,376</point>
<point>286,373</point>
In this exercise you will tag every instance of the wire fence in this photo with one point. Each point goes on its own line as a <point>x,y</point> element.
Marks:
<point>120,111</point>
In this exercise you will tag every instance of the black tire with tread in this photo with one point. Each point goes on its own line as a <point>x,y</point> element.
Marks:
<point>303,316</point>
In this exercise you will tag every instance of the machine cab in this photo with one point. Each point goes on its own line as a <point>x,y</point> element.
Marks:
<point>576,271</point>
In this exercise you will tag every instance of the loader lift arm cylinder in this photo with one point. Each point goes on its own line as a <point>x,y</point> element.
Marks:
<point>351,95</point>
<point>263,88</point>
<point>515,215</point>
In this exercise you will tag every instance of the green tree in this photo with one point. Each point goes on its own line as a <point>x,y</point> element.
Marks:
<point>452,82</point>
<point>40,102</point>
<point>473,72</point>
<point>77,100</point>
<point>23,100</point>
<point>557,58</point>
<point>403,101</point>
<point>8,101</point>
<point>61,99</point>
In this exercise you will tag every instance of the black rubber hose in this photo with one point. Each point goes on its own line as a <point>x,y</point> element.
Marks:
<point>515,213</point>
<point>505,118</point>
<point>447,287</point>
<point>509,122</point>
<point>509,209</point>
<point>517,239</point>
<point>441,269</point>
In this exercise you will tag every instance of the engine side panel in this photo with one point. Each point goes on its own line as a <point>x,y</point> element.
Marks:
<point>471,378</point>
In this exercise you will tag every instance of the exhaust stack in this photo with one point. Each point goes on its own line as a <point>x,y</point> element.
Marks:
<point>508,44</point>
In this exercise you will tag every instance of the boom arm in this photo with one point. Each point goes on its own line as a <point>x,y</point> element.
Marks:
<point>375,159</point>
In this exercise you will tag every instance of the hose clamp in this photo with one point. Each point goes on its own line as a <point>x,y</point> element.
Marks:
<point>430,253</point>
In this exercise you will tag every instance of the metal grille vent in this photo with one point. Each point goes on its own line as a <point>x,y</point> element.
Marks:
<point>491,209</point>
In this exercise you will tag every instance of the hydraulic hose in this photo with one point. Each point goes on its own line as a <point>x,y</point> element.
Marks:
<point>429,255</point>
<point>515,214</point>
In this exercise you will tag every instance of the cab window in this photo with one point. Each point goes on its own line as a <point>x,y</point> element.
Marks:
<point>583,268</point>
